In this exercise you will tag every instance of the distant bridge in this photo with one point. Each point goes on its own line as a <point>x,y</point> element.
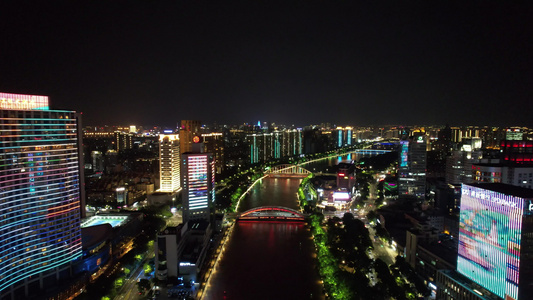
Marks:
<point>288,171</point>
<point>272,213</point>
<point>372,151</point>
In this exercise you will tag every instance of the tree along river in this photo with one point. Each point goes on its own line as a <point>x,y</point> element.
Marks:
<point>270,260</point>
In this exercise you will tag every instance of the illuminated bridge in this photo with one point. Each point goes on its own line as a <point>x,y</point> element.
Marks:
<point>288,171</point>
<point>272,213</point>
<point>372,151</point>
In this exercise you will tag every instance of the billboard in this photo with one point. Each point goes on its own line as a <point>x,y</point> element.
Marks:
<point>490,229</point>
<point>23,102</point>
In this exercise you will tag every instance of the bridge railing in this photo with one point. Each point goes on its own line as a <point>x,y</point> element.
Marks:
<point>288,169</point>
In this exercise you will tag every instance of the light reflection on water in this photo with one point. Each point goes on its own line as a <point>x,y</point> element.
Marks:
<point>267,261</point>
<point>270,260</point>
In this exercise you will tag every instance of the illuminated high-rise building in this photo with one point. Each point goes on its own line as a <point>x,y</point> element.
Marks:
<point>40,195</point>
<point>266,146</point>
<point>258,148</point>
<point>459,162</point>
<point>412,167</point>
<point>169,162</point>
<point>214,143</point>
<point>291,142</point>
<point>198,183</point>
<point>349,135</point>
<point>514,134</point>
<point>344,136</point>
<point>496,239</point>
<point>516,152</point>
<point>123,141</point>
<point>97,161</point>
<point>188,130</point>
<point>122,196</point>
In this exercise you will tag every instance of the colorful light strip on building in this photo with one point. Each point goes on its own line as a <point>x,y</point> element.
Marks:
<point>39,190</point>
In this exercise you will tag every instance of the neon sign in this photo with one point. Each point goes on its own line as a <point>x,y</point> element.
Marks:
<point>23,102</point>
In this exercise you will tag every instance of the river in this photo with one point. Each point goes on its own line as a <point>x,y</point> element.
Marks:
<point>270,260</point>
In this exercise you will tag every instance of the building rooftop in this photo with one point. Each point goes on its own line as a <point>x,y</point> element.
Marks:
<point>506,189</point>
<point>112,219</point>
<point>444,249</point>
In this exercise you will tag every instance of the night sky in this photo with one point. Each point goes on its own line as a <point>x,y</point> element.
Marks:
<point>156,62</point>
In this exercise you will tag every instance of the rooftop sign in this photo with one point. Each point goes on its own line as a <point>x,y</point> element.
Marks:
<point>23,102</point>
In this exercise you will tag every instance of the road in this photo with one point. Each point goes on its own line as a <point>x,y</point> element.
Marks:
<point>129,290</point>
<point>217,254</point>
<point>381,250</point>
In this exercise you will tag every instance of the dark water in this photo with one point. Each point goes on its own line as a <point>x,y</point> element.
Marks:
<point>266,260</point>
<point>270,260</point>
<point>272,191</point>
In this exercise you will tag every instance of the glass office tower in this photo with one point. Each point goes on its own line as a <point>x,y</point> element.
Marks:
<point>40,195</point>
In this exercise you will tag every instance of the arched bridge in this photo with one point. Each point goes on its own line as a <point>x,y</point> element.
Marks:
<point>272,213</point>
<point>288,171</point>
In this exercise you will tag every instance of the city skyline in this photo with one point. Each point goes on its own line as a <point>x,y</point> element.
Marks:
<point>99,213</point>
<point>146,62</point>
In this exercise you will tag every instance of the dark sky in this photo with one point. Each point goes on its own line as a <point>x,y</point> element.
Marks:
<point>292,62</point>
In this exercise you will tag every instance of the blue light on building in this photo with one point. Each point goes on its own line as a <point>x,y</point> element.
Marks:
<point>39,193</point>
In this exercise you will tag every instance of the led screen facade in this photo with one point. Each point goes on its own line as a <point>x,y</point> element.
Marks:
<point>197,178</point>
<point>490,230</point>
<point>23,102</point>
